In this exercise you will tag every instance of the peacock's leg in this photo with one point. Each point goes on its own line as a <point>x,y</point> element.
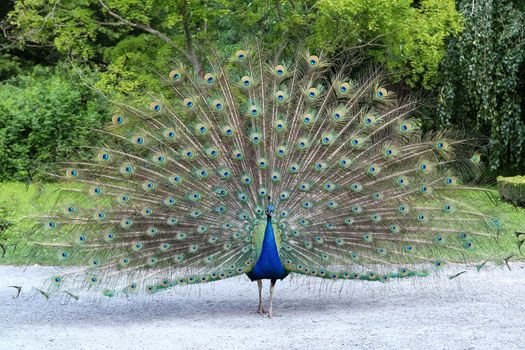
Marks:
<point>260,309</point>
<point>272,287</point>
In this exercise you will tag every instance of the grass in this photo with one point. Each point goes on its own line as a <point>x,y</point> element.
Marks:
<point>18,204</point>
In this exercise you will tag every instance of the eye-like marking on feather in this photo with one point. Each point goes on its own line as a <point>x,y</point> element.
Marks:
<point>281,96</point>
<point>72,173</point>
<point>169,133</point>
<point>175,75</point>
<point>104,156</point>
<point>406,126</point>
<point>375,218</point>
<point>356,187</point>
<point>303,143</point>
<point>241,55</point>
<point>448,208</point>
<point>123,198</point>
<point>284,195</point>
<point>313,61</point>
<point>357,141</point>
<point>70,209</point>
<point>262,163</point>
<point>254,111</point>
<point>127,169</point>
<point>255,137</point>
<point>246,82</point>
<point>381,92</point>
<point>189,102</point>
<point>330,186</point>
<point>339,114</point>
<point>159,158</point>
<point>155,106</point>
<point>390,152</point>
<point>201,129</point>
<point>402,181</point>
<point>210,78</point>
<point>175,179</point>
<point>450,181</point>
<point>343,88</point>
<point>212,152</point>
<point>313,93</point>
<point>356,209</point>
<point>118,119</point>
<point>425,167</point>
<point>344,163</point>
<point>369,120</point>
<point>280,71</point>
<point>394,228</point>
<point>475,158</point>
<point>281,151</point>
<point>441,145</point>
<point>280,125</point>
<point>422,217</point>
<point>320,165</point>
<point>237,154</point>
<point>138,140</point>
<point>327,139</point>
<point>308,205</point>
<point>275,176</point>
<point>51,225</point>
<point>377,196</point>
<point>146,212</point>
<point>308,119</point>
<point>425,189</point>
<point>228,130</point>
<point>294,168</point>
<point>217,104</point>
<point>96,191</point>
<point>374,169</point>
<point>201,173</point>
<point>224,172</point>
<point>246,179</point>
<point>403,208</point>
<point>188,153</point>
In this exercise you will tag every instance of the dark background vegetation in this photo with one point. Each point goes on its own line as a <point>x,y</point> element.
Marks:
<point>59,58</point>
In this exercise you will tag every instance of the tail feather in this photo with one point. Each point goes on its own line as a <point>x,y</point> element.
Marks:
<point>175,192</point>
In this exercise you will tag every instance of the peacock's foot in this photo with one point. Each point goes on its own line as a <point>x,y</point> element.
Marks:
<point>260,310</point>
<point>271,315</point>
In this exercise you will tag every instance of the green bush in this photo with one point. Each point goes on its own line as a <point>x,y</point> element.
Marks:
<point>483,72</point>
<point>44,115</point>
<point>512,189</point>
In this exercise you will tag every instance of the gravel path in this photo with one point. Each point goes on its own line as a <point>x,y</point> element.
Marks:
<point>475,311</point>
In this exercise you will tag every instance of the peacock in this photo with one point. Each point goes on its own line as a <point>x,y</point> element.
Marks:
<point>264,164</point>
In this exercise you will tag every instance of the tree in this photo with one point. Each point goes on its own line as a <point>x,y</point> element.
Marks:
<point>131,40</point>
<point>481,79</point>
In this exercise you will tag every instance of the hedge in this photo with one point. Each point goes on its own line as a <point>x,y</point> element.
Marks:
<point>512,189</point>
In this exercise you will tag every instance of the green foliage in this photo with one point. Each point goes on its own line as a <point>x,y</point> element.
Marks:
<point>130,41</point>
<point>410,40</point>
<point>481,77</point>
<point>44,115</point>
<point>512,189</point>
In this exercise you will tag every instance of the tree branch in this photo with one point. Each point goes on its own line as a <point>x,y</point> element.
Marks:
<point>190,55</point>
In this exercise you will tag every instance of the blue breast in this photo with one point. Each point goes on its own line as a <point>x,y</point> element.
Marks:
<point>269,265</point>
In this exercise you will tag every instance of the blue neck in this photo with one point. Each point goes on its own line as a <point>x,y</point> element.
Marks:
<point>268,265</point>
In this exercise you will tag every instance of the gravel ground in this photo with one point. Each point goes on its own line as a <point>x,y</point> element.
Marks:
<point>474,311</point>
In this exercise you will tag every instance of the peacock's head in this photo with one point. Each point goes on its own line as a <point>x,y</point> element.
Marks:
<point>270,210</point>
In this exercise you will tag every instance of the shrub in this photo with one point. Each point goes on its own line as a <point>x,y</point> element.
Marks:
<point>44,115</point>
<point>512,189</point>
<point>483,72</point>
